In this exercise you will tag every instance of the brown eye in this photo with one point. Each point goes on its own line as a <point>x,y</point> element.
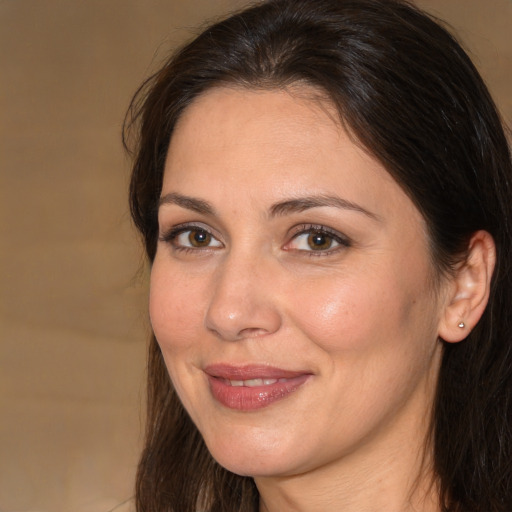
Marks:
<point>192,238</point>
<point>199,238</point>
<point>319,241</point>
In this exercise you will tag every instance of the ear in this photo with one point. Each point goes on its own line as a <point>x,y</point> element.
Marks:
<point>468,289</point>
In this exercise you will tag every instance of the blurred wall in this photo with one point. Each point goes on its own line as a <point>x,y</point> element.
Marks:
<point>73,326</point>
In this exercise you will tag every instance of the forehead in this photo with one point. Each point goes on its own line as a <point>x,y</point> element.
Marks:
<point>293,131</point>
<point>292,114</point>
<point>270,145</point>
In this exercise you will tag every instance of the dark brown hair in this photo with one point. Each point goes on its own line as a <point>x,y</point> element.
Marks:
<point>411,96</point>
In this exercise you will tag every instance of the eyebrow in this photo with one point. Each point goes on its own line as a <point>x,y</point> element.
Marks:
<point>277,209</point>
<point>305,203</point>
<point>190,203</point>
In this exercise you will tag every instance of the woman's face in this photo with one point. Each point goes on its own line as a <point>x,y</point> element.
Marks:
<point>291,293</point>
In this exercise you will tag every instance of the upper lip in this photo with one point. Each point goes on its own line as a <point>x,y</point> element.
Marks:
<point>251,371</point>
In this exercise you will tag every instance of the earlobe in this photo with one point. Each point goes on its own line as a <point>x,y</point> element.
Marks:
<point>469,290</point>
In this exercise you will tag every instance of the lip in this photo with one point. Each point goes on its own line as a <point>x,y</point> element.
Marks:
<point>252,395</point>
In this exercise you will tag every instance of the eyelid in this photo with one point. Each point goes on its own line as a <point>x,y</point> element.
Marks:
<point>169,235</point>
<point>342,240</point>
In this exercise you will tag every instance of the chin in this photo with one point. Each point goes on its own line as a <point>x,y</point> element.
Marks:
<point>255,466</point>
<point>249,456</point>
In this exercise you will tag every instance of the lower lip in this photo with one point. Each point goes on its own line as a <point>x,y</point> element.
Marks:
<point>245,398</point>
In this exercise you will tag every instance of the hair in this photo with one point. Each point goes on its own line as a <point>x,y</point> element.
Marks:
<point>409,94</point>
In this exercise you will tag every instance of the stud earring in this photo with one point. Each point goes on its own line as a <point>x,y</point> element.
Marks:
<point>462,325</point>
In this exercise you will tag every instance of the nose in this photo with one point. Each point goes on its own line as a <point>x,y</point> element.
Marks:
<point>242,303</point>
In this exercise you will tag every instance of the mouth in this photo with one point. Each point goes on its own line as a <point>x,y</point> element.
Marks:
<point>252,383</point>
<point>249,388</point>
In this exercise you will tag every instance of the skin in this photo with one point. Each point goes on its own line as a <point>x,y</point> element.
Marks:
<point>362,318</point>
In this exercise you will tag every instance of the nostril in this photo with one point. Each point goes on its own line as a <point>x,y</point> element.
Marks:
<point>252,332</point>
<point>233,325</point>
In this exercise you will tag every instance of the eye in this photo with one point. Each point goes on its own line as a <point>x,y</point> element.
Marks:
<point>195,238</point>
<point>190,238</point>
<point>317,239</point>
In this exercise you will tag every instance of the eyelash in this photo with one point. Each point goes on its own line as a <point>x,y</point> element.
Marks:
<point>343,241</point>
<point>303,229</point>
<point>171,236</point>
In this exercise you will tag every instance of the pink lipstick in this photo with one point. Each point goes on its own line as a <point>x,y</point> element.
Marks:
<point>247,388</point>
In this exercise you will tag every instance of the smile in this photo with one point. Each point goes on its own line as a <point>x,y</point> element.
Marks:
<point>251,388</point>
<point>251,383</point>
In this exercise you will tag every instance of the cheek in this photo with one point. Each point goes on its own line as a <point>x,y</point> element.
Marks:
<point>173,309</point>
<point>325,313</point>
<point>354,312</point>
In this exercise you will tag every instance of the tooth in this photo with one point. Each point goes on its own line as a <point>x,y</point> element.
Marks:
<point>253,382</point>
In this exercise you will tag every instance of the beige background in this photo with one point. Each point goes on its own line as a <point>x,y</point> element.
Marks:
<point>73,325</point>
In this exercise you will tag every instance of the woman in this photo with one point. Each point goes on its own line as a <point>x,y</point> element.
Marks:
<point>323,188</point>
